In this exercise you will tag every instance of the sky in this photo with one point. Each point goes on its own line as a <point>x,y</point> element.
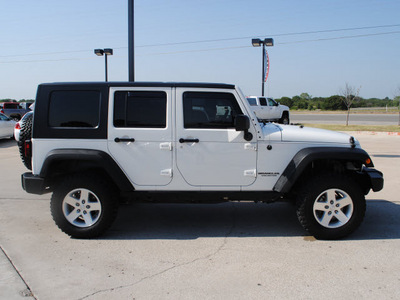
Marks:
<point>319,45</point>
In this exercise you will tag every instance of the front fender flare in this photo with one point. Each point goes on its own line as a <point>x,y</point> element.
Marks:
<point>304,157</point>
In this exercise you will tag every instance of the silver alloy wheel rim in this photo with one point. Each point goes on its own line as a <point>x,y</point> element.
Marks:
<point>81,208</point>
<point>333,208</point>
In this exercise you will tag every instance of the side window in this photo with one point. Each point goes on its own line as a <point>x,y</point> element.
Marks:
<point>140,109</point>
<point>271,102</point>
<point>209,110</point>
<point>74,109</point>
<point>252,101</point>
<point>263,102</point>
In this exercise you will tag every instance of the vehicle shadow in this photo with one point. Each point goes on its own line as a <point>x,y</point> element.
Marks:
<point>243,219</point>
<point>7,143</point>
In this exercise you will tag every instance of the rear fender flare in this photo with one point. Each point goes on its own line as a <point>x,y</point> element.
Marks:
<point>91,159</point>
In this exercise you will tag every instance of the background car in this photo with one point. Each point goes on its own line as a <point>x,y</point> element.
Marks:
<point>6,127</point>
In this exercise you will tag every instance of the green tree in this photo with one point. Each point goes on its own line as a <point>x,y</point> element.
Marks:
<point>305,96</point>
<point>286,101</point>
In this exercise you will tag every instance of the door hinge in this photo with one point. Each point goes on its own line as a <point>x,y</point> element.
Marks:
<point>166,172</point>
<point>250,173</point>
<point>166,146</point>
<point>250,146</point>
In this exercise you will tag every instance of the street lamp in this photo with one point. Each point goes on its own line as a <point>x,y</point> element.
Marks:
<point>265,43</point>
<point>105,52</point>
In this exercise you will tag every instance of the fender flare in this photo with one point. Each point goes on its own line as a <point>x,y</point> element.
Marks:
<point>88,158</point>
<point>304,157</point>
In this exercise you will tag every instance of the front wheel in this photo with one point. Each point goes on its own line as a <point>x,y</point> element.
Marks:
<point>84,206</point>
<point>331,206</point>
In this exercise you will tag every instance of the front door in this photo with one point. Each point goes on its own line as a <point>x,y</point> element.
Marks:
<point>140,134</point>
<point>210,152</point>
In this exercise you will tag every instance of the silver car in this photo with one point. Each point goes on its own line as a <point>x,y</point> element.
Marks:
<point>6,127</point>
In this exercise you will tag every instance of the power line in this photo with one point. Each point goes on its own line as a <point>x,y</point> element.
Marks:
<point>282,43</point>
<point>215,40</point>
<point>339,37</point>
<point>209,49</point>
<point>274,35</point>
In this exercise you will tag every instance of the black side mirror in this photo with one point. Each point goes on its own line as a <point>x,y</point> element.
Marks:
<point>242,123</point>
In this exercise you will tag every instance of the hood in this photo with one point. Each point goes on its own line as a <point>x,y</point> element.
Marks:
<point>292,133</point>
<point>284,107</point>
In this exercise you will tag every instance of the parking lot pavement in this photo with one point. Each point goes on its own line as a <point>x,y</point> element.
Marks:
<point>223,251</point>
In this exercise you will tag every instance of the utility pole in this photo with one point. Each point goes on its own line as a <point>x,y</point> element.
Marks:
<point>131,40</point>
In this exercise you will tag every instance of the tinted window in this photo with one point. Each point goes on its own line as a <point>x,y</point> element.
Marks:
<point>74,109</point>
<point>140,109</point>
<point>209,110</point>
<point>263,102</point>
<point>252,101</point>
<point>11,105</point>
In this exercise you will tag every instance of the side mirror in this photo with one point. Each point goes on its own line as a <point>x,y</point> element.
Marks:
<point>242,123</point>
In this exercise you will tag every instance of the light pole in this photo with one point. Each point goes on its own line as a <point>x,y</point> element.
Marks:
<point>105,52</point>
<point>265,43</point>
<point>131,40</point>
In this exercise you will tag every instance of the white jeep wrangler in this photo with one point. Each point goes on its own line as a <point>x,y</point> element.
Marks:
<point>268,110</point>
<point>95,143</point>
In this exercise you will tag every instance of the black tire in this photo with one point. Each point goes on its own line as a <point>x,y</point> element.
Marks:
<point>285,119</point>
<point>84,206</point>
<point>26,134</point>
<point>330,206</point>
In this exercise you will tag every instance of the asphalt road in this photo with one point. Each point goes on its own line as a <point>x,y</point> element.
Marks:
<point>354,119</point>
<point>188,251</point>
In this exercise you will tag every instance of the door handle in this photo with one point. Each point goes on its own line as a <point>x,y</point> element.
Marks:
<point>117,140</point>
<point>188,140</point>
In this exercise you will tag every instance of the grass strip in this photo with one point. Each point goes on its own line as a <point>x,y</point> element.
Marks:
<point>376,128</point>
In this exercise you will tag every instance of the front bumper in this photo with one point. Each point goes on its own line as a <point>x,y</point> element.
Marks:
<point>33,184</point>
<point>376,178</point>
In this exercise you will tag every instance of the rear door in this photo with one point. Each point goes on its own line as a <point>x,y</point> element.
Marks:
<point>140,133</point>
<point>210,152</point>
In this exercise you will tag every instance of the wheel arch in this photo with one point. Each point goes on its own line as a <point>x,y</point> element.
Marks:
<point>60,162</point>
<point>335,158</point>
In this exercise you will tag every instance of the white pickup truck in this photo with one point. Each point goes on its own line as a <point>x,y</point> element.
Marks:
<point>268,110</point>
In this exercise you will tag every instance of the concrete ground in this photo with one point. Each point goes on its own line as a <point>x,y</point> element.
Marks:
<point>223,251</point>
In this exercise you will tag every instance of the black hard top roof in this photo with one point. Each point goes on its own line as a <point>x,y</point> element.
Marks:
<point>143,84</point>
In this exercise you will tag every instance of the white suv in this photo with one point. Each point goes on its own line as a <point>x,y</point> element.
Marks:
<point>268,110</point>
<point>94,144</point>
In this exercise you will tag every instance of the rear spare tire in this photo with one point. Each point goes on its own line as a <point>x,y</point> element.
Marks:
<point>24,143</point>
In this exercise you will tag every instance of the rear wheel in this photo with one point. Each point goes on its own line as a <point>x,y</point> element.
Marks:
<point>285,119</point>
<point>84,206</point>
<point>331,206</point>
